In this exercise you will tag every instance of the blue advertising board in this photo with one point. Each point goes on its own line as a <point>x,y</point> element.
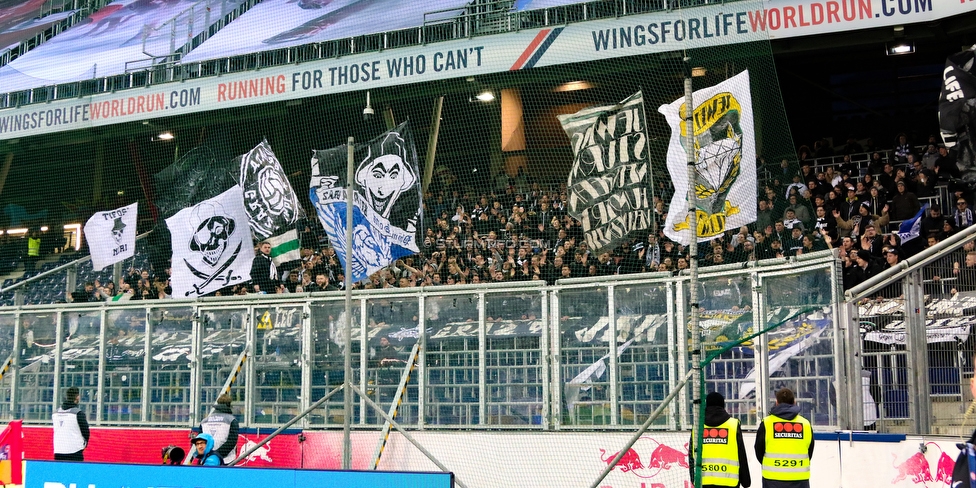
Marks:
<point>51,474</point>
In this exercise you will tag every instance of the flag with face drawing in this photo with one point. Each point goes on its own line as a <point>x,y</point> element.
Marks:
<point>211,245</point>
<point>725,161</point>
<point>387,194</point>
<point>112,235</point>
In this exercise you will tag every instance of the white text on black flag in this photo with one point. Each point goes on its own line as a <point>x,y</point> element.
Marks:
<point>607,186</point>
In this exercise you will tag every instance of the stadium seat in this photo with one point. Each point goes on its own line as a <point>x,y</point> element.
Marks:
<point>895,404</point>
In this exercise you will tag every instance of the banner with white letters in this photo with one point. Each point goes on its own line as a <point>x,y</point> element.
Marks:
<point>608,183</point>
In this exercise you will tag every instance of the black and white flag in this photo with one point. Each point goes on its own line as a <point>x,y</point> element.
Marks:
<point>211,245</point>
<point>112,235</point>
<point>271,203</point>
<point>608,184</point>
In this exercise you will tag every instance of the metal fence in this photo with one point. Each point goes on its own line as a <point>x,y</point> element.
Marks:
<point>581,354</point>
<point>915,345</point>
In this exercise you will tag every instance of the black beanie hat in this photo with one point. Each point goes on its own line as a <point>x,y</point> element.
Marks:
<point>715,399</point>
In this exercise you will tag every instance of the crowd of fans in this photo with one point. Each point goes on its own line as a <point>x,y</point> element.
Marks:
<point>521,231</point>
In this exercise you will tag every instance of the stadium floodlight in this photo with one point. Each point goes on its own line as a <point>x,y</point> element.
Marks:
<point>485,96</point>
<point>900,48</point>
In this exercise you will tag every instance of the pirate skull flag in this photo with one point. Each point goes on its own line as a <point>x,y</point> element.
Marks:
<point>112,235</point>
<point>270,201</point>
<point>211,245</point>
<point>388,210</point>
<point>725,155</point>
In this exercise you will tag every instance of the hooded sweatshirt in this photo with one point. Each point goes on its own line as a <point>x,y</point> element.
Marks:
<point>209,458</point>
<point>784,411</point>
<point>715,416</point>
<point>960,472</point>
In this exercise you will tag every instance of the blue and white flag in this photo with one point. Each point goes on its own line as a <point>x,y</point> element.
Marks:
<point>387,193</point>
<point>912,227</point>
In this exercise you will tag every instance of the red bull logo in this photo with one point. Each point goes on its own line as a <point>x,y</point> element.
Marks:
<point>918,468</point>
<point>787,430</point>
<point>715,436</point>
<point>648,458</point>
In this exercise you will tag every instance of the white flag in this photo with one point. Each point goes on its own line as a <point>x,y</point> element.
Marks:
<point>112,235</point>
<point>725,151</point>
<point>211,245</point>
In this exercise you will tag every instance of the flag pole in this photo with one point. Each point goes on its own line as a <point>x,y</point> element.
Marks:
<point>347,330</point>
<point>691,159</point>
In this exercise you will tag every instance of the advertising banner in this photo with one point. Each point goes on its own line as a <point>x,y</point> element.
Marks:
<point>48,474</point>
<point>631,35</point>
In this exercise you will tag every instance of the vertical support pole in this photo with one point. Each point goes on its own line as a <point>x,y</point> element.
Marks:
<point>347,330</point>
<point>250,366</point>
<point>421,361</point>
<point>363,357</point>
<point>482,362</point>
<point>70,280</point>
<point>117,272</point>
<point>556,412</point>
<point>435,130</point>
<point>58,366</point>
<point>15,368</point>
<point>681,328</point>
<point>308,353</point>
<point>761,359</point>
<point>100,403</point>
<point>690,159</point>
<point>5,170</point>
<point>545,358</point>
<point>850,334</point>
<point>673,374</point>
<point>614,375</point>
<point>147,366</point>
<point>917,348</point>
<point>195,365</point>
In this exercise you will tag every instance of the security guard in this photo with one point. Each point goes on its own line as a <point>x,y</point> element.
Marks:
<point>724,460</point>
<point>784,444</point>
<point>70,429</point>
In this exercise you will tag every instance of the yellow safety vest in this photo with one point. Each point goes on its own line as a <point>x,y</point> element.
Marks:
<point>720,454</point>
<point>787,449</point>
<point>33,246</point>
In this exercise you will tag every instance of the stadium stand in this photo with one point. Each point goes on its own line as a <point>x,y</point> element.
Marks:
<point>515,322</point>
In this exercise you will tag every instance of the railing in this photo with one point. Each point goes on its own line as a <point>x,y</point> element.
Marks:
<point>81,8</point>
<point>911,328</point>
<point>165,70</point>
<point>583,354</point>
